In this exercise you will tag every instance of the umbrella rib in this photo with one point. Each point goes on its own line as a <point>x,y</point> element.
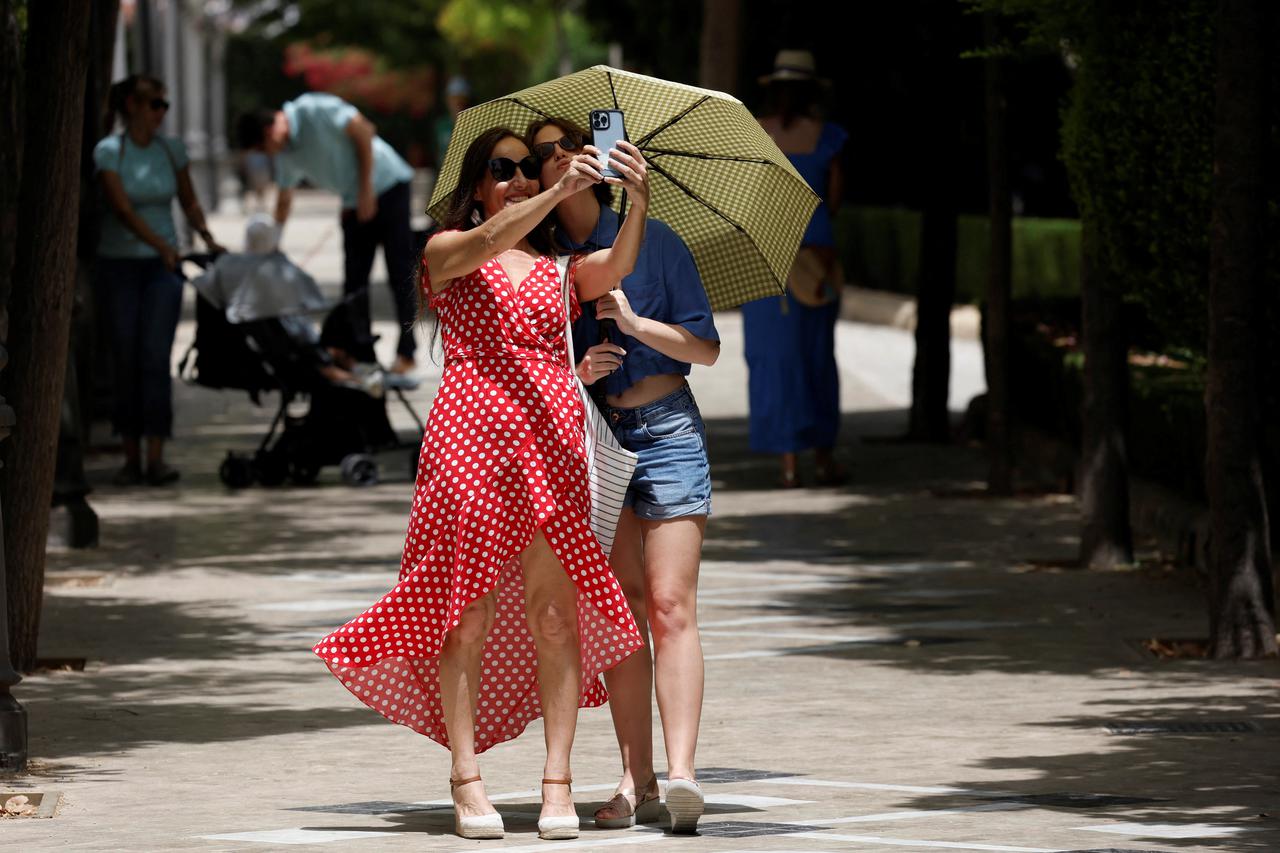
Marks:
<point>612,91</point>
<point>530,107</point>
<point>724,157</point>
<point>675,118</point>
<point>693,195</point>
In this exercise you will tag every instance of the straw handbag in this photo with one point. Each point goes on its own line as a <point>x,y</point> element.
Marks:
<point>609,464</point>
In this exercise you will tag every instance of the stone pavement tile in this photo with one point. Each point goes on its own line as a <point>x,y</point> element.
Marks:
<point>890,666</point>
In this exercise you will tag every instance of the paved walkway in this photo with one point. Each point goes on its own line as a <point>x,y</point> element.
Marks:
<point>895,665</point>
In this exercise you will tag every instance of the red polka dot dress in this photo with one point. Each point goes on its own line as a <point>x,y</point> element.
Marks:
<point>502,456</point>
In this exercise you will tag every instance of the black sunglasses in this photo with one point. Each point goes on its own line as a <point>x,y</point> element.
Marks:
<point>568,145</point>
<point>159,104</point>
<point>504,168</point>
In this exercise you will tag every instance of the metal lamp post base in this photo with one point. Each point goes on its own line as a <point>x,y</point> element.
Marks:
<point>13,735</point>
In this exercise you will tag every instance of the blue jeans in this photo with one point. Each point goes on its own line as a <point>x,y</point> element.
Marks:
<point>672,477</point>
<point>142,301</point>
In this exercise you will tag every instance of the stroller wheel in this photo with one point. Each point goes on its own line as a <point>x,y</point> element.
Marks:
<point>271,468</point>
<point>359,469</point>
<point>303,472</point>
<point>236,472</point>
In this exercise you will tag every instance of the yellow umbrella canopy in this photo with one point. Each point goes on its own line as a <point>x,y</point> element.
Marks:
<point>715,176</point>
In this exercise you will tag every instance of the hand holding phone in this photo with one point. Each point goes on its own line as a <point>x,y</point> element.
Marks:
<point>607,129</point>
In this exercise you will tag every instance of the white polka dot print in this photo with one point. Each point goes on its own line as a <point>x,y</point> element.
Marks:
<point>502,456</point>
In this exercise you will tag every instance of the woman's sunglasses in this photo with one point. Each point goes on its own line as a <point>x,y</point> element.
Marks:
<point>159,104</point>
<point>504,168</point>
<point>568,145</point>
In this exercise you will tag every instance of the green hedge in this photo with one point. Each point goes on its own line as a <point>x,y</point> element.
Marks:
<point>880,247</point>
<point>1167,438</point>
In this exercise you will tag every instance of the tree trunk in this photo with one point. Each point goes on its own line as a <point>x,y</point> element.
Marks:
<point>41,299</point>
<point>13,723</point>
<point>1242,613</point>
<point>1106,539</point>
<point>10,154</point>
<point>995,324</point>
<point>931,370</point>
<point>936,290</point>
<point>721,45</point>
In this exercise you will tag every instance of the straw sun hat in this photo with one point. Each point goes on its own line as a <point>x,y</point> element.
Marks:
<point>793,66</point>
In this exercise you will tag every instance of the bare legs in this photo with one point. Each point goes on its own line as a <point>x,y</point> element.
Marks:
<point>459,695</point>
<point>827,471</point>
<point>133,462</point>
<point>790,477</point>
<point>552,610</point>
<point>657,565</point>
<point>630,683</point>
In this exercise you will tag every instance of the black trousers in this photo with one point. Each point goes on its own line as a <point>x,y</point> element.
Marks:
<point>360,241</point>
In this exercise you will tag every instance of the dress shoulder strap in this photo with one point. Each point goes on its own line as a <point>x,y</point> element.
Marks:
<point>562,268</point>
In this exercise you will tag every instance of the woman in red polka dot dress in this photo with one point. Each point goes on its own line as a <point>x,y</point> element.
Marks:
<point>506,609</point>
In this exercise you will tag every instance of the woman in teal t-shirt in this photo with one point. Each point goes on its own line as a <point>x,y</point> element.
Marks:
<point>136,283</point>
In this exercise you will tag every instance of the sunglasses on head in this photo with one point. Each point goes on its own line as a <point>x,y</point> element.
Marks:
<point>504,168</point>
<point>568,145</point>
<point>159,104</point>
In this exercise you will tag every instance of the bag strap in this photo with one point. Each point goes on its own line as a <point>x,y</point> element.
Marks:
<point>562,267</point>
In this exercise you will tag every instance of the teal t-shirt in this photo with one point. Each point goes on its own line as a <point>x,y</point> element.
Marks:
<point>320,151</point>
<point>150,178</point>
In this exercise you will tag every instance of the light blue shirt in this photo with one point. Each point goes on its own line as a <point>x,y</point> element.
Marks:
<point>150,179</point>
<point>320,151</point>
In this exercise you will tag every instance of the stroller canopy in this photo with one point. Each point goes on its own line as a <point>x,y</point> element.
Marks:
<point>249,287</point>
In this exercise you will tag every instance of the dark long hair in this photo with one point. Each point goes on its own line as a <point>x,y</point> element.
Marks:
<point>789,100</point>
<point>118,98</point>
<point>462,206</point>
<point>602,191</point>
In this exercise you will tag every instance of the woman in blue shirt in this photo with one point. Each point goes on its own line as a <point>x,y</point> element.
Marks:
<point>136,284</point>
<point>662,324</point>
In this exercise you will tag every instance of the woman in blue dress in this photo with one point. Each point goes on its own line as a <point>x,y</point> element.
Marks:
<point>794,384</point>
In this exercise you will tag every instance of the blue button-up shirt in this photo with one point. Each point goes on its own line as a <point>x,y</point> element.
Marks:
<point>664,286</point>
<point>320,150</point>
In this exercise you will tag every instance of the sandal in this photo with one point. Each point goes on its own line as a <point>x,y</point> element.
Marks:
<point>561,827</point>
<point>831,475</point>
<point>129,475</point>
<point>160,474</point>
<point>475,826</point>
<point>685,803</point>
<point>648,807</point>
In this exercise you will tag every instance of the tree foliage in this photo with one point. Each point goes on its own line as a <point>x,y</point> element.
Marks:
<point>1137,140</point>
<point>376,51</point>
<point>1138,143</point>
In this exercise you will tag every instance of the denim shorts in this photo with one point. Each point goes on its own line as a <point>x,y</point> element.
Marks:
<point>673,477</point>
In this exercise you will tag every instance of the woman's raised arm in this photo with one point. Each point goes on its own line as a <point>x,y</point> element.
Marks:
<point>602,271</point>
<point>457,253</point>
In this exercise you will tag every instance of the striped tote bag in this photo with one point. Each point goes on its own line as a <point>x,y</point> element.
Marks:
<point>609,464</point>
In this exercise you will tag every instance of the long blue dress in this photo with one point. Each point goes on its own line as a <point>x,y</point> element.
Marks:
<point>794,384</point>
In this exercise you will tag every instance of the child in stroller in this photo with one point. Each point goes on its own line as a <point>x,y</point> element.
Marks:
<point>253,333</point>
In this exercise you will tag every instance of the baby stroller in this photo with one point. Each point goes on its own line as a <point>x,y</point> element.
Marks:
<point>252,333</point>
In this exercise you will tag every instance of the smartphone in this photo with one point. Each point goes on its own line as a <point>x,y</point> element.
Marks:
<point>607,129</point>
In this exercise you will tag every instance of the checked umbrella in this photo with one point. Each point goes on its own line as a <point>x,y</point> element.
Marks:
<point>715,176</point>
